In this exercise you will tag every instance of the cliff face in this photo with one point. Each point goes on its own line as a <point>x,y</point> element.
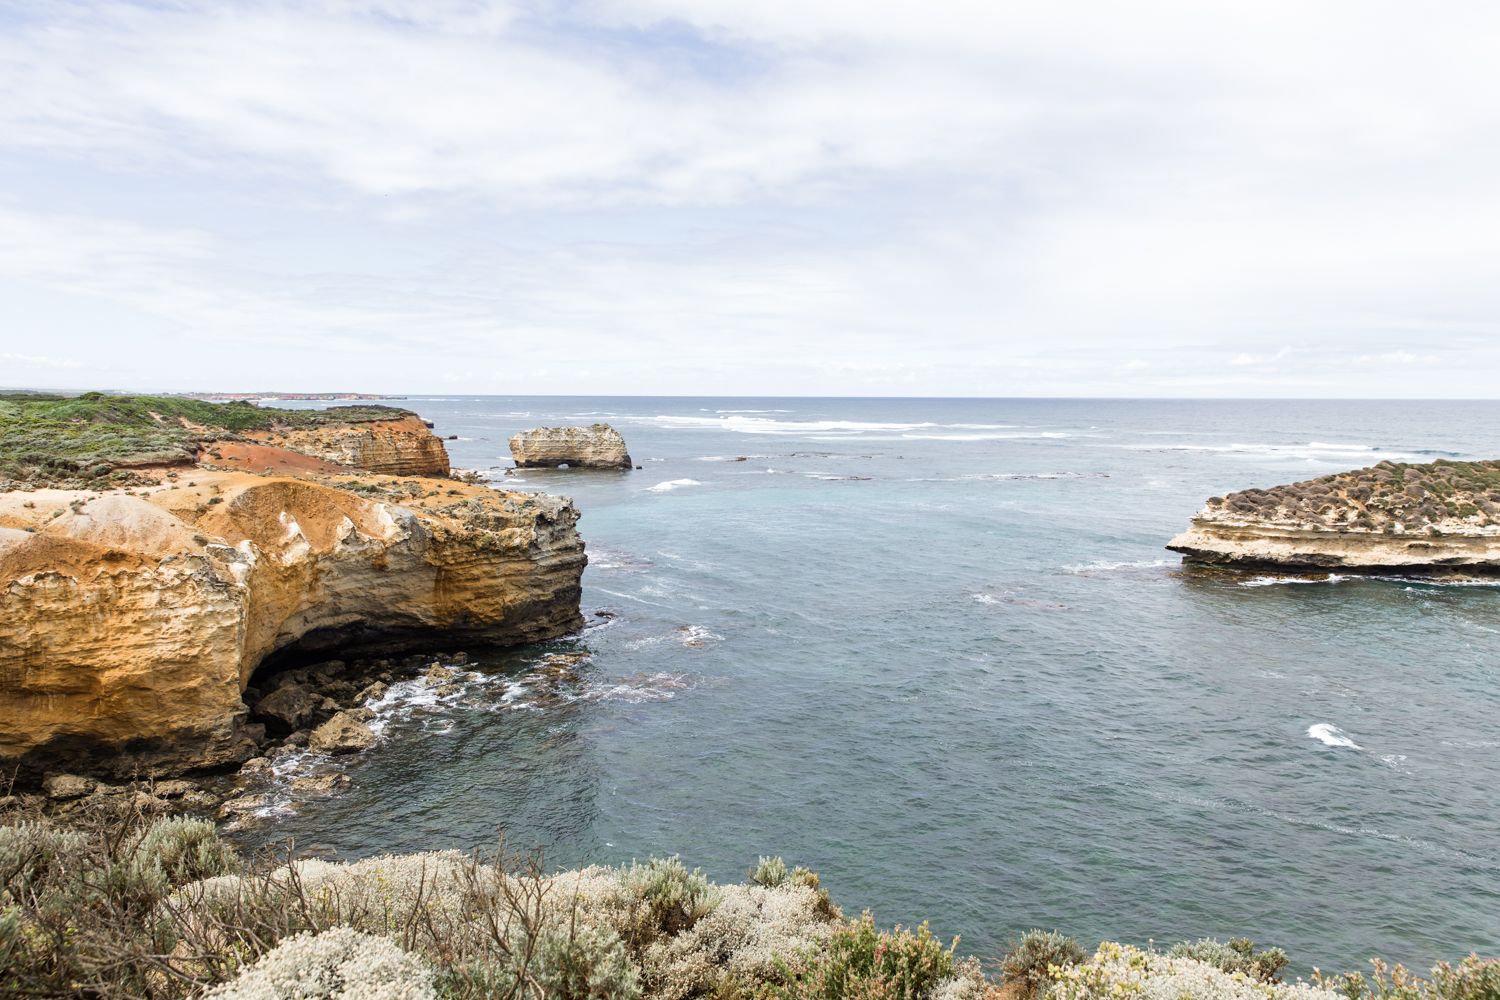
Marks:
<point>129,625</point>
<point>399,447</point>
<point>1433,519</point>
<point>597,446</point>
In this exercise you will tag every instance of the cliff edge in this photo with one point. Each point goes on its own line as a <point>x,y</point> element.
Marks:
<point>131,621</point>
<point>1434,519</point>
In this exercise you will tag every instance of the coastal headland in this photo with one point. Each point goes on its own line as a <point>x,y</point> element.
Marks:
<point>1438,519</point>
<point>148,570</point>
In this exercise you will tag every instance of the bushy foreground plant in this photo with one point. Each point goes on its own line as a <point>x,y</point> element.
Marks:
<point>660,899</point>
<point>859,962</point>
<point>1239,955</point>
<point>1473,979</point>
<point>1028,961</point>
<point>1121,972</point>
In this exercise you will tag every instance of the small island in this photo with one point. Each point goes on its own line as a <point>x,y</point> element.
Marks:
<point>1437,519</point>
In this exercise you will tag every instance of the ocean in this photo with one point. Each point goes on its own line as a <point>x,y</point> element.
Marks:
<point>934,650</point>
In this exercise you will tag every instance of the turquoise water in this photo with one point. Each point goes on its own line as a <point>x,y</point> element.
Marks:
<point>934,650</point>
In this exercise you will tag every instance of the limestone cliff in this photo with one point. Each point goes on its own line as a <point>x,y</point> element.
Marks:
<point>399,447</point>
<point>597,446</point>
<point>130,624</point>
<point>1434,519</point>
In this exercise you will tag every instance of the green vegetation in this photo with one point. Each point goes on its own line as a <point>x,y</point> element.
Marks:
<point>859,961</point>
<point>1027,964</point>
<point>75,442</point>
<point>1239,955</point>
<point>126,905</point>
<point>1380,497</point>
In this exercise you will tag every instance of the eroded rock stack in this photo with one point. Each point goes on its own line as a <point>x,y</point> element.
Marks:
<point>597,446</point>
<point>1441,518</point>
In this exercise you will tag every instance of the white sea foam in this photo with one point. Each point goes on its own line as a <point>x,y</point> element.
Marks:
<point>1331,736</point>
<point>672,485</point>
<point>1317,451</point>
<point>1103,566</point>
<point>1271,581</point>
<point>1036,475</point>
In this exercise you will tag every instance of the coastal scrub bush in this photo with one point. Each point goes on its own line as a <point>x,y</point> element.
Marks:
<point>339,963</point>
<point>1120,972</point>
<point>1028,961</point>
<point>1239,955</point>
<point>660,898</point>
<point>184,850</point>
<point>859,962</point>
<point>1473,979</point>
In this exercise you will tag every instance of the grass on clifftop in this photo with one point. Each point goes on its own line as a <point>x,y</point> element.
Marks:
<point>48,440</point>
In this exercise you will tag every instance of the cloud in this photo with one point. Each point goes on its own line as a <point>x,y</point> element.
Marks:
<point>39,361</point>
<point>769,196</point>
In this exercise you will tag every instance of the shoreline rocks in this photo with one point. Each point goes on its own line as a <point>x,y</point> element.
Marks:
<point>1437,519</point>
<point>597,446</point>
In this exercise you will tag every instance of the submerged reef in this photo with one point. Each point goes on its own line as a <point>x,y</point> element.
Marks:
<point>1439,518</point>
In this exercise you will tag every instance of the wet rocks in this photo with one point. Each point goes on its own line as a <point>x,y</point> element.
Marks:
<point>256,766</point>
<point>342,735</point>
<point>286,709</point>
<point>439,675</point>
<point>243,804</point>
<point>374,692</point>
<point>321,784</point>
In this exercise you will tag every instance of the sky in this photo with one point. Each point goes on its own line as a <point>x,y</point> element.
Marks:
<point>752,197</point>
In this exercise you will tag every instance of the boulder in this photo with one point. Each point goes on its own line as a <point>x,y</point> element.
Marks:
<point>173,789</point>
<point>342,735</point>
<point>439,675</point>
<point>374,692</point>
<point>597,446</point>
<point>256,765</point>
<point>244,804</point>
<point>360,714</point>
<point>68,786</point>
<point>286,709</point>
<point>298,739</point>
<point>324,784</point>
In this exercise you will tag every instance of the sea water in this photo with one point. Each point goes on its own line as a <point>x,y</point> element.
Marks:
<point>934,650</point>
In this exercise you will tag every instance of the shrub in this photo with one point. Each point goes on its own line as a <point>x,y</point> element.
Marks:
<point>1028,960</point>
<point>185,850</point>
<point>1474,979</point>
<point>339,963</point>
<point>660,898</point>
<point>1118,972</point>
<point>1239,955</point>
<point>861,963</point>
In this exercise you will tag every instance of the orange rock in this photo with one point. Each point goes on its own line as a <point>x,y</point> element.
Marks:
<point>130,625</point>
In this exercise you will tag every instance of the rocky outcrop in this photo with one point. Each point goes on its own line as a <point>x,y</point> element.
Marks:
<point>597,446</point>
<point>130,625</point>
<point>403,446</point>
<point>1435,519</point>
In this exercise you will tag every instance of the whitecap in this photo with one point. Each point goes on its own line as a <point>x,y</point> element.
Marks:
<point>1331,736</point>
<point>672,485</point>
<point>1271,581</point>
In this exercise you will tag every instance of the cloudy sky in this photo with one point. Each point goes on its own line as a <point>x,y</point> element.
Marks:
<point>803,197</point>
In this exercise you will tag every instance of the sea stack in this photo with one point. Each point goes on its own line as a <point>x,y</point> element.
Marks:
<point>1438,519</point>
<point>597,446</point>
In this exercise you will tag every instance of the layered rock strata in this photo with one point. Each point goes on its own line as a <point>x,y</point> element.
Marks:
<point>597,446</point>
<point>403,446</point>
<point>130,623</point>
<point>1434,519</point>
